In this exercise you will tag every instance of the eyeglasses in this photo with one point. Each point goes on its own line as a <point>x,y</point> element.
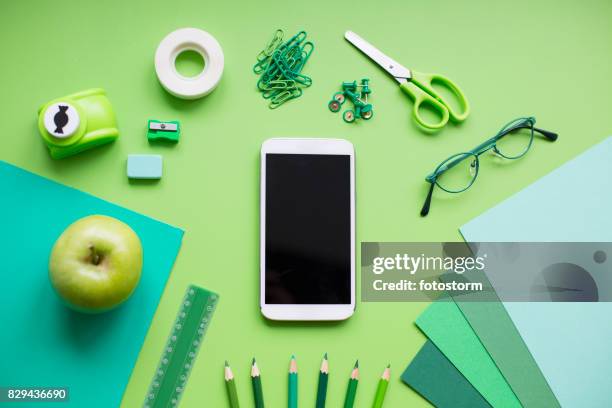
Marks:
<point>457,173</point>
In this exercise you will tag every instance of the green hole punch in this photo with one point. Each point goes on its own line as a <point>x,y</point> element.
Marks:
<point>77,122</point>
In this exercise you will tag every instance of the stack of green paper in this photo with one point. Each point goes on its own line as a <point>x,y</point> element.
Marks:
<point>526,354</point>
<point>454,369</point>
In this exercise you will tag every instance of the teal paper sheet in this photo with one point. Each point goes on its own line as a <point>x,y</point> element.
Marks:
<point>43,343</point>
<point>571,342</point>
<point>445,326</point>
<point>438,381</point>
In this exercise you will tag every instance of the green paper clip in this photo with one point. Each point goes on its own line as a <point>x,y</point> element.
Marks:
<point>280,68</point>
<point>168,131</point>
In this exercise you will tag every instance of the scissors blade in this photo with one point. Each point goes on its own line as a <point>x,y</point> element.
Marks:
<point>394,68</point>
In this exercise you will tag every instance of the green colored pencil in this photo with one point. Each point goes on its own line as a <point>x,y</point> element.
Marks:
<point>293,384</point>
<point>256,381</point>
<point>351,391</point>
<point>232,395</point>
<point>322,388</point>
<point>383,383</point>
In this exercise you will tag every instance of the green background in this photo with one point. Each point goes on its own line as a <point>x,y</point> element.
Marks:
<point>551,59</point>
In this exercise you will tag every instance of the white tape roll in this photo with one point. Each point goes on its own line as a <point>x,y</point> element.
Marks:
<point>186,39</point>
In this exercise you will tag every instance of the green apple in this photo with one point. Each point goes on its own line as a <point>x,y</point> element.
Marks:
<point>95,264</point>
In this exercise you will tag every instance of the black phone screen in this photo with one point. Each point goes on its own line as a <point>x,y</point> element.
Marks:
<point>308,229</point>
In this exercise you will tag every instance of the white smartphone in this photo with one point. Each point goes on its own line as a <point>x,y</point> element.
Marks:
<point>307,242</point>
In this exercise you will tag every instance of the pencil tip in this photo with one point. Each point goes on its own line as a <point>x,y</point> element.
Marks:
<point>357,364</point>
<point>325,356</point>
<point>389,365</point>
<point>226,363</point>
<point>253,361</point>
<point>293,356</point>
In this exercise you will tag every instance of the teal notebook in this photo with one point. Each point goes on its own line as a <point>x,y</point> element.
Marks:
<point>45,344</point>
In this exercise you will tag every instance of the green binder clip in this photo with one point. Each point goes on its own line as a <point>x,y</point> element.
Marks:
<point>168,131</point>
<point>77,122</point>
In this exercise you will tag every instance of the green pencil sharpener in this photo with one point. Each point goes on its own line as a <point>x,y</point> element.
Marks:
<point>167,131</point>
<point>77,122</point>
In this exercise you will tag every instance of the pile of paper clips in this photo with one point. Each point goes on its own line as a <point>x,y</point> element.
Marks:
<point>280,68</point>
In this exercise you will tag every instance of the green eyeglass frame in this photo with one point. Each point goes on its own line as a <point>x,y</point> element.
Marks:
<point>526,123</point>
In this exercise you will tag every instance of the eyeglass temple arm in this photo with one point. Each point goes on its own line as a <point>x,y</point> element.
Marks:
<point>427,203</point>
<point>552,136</point>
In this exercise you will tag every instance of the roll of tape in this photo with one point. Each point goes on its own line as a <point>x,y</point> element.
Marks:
<point>189,39</point>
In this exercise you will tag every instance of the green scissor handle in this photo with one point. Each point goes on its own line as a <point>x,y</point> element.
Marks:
<point>420,89</point>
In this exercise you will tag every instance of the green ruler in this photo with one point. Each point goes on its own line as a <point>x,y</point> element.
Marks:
<point>181,348</point>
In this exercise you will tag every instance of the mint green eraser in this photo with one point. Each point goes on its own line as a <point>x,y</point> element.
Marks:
<point>144,166</point>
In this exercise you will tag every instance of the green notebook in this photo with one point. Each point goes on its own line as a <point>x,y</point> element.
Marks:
<point>44,343</point>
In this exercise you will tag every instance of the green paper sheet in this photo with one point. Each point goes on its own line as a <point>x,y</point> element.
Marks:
<point>438,380</point>
<point>45,344</point>
<point>504,344</point>
<point>445,326</point>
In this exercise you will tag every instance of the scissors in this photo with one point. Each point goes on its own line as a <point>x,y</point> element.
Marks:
<point>418,86</point>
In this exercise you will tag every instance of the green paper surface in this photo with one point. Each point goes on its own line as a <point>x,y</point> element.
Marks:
<point>438,380</point>
<point>446,327</point>
<point>505,345</point>
<point>46,344</point>
<point>548,58</point>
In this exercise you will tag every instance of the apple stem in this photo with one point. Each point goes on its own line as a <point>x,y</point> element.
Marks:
<point>95,257</point>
